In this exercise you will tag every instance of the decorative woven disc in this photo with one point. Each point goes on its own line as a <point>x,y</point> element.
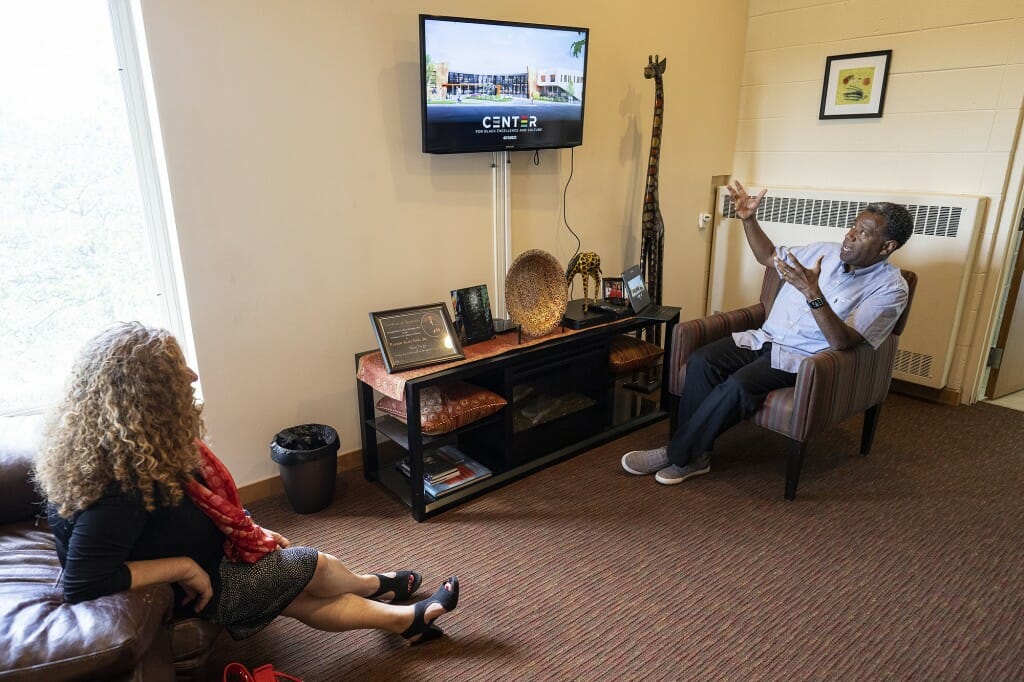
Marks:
<point>536,294</point>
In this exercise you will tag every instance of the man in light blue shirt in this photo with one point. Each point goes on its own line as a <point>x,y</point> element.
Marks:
<point>833,296</point>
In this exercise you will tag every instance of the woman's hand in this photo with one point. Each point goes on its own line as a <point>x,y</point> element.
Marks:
<point>746,205</point>
<point>282,541</point>
<point>197,587</point>
<point>177,569</point>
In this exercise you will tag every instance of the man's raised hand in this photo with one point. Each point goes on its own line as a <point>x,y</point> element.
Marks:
<point>746,205</point>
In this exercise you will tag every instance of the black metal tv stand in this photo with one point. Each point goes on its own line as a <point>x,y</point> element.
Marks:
<point>562,398</point>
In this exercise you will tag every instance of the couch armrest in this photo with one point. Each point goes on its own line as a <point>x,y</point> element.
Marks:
<point>688,336</point>
<point>107,638</point>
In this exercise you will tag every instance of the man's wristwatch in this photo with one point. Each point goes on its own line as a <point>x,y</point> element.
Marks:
<point>816,302</point>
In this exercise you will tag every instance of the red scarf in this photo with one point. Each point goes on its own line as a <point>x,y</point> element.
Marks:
<point>218,499</point>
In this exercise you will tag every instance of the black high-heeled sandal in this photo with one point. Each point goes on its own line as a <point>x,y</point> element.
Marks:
<point>447,598</point>
<point>399,585</point>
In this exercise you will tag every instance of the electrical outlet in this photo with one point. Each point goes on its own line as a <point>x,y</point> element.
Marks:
<point>703,221</point>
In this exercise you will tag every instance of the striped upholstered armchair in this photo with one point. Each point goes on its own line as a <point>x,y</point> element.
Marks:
<point>830,386</point>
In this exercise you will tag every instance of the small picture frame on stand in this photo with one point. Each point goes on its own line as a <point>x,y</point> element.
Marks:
<point>613,290</point>
<point>473,320</point>
<point>416,337</point>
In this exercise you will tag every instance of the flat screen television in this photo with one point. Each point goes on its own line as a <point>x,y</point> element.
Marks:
<point>500,86</point>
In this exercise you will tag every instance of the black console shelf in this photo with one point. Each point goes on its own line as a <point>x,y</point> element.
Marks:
<point>563,400</point>
<point>399,432</point>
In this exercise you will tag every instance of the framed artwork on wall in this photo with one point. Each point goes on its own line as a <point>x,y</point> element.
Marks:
<point>854,85</point>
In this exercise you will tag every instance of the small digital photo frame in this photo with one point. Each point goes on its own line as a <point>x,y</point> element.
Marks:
<point>613,290</point>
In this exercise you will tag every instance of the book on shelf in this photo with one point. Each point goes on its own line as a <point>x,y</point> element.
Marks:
<point>470,471</point>
<point>467,470</point>
<point>436,466</point>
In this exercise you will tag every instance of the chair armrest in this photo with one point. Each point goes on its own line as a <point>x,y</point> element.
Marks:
<point>835,384</point>
<point>688,336</point>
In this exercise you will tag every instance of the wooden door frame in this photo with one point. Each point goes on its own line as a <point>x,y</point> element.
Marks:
<point>1013,291</point>
<point>1001,312</point>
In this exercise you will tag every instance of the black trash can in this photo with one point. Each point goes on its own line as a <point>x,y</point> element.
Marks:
<point>307,456</point>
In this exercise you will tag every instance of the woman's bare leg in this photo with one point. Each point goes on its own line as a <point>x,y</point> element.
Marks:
<point>333,579</point>
<point>349,612</point>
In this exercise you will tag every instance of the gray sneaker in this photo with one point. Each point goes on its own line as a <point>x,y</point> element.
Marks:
<point>672,474</point>
<point>643,462</point>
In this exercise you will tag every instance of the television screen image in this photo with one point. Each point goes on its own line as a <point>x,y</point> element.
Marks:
<point>500,86</point>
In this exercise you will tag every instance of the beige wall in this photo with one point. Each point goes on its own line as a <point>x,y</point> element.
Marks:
<point>951,120</point>
<point>303,202</point>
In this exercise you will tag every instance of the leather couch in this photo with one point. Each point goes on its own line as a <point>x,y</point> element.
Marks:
<point>124,636</point>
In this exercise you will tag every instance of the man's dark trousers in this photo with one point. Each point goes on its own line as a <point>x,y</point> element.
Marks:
<point>724,384</point>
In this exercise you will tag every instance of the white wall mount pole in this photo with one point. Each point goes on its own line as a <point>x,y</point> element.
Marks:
<point>502,230</point>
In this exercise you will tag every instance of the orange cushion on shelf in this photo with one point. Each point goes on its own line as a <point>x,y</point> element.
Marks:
<point>629,354</point>
<point>448,407</point>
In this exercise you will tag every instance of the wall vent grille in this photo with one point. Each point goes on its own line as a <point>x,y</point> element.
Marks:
<point>914,364</point>
<point>938,221</point>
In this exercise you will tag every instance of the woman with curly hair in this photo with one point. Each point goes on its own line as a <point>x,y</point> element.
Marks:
<point>136,498</point>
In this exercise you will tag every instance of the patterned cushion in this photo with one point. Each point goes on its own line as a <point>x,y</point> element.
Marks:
<point>446,408</point>
<point>629,354</point>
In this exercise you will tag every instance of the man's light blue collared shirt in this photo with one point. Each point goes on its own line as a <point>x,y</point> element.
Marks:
<point>868,299</point>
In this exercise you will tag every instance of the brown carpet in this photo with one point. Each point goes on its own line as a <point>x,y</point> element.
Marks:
<point>902,565</point>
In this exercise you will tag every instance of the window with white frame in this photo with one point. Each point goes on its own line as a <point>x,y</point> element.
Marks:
<point>85,234</point>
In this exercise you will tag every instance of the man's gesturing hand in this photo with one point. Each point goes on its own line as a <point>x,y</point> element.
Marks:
<point>746,205</point>
<point>804,279</point>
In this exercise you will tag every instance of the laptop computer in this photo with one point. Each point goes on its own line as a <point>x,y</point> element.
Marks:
<point>640,299</point>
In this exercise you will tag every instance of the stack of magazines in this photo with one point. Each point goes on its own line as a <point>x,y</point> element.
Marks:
<point>446,469</point>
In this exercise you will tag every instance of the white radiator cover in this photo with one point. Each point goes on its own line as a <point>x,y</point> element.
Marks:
<point>941,250</point>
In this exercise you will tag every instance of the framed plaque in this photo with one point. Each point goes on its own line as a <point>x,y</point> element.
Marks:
<point>473,319</point>
<point>416,337</point>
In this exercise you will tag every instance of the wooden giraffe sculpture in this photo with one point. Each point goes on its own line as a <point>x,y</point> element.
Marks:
<point>653,227</point>
<point>588,265</point>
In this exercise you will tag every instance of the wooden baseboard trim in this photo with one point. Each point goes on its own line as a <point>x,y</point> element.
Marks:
<point>943,396</point>
<point>347,461</point>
